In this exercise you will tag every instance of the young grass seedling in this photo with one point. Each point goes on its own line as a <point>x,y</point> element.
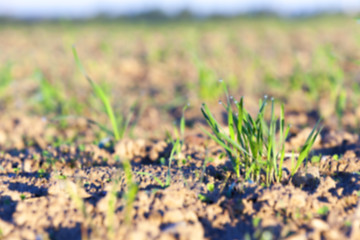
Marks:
<point>251,144</point>
<point>179,134</point>
<point>173,150</point>
<point>119,123</point>
<point>158,180</point>
<point>132,189</point>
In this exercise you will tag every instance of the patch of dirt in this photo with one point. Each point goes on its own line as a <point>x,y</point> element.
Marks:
<point>63,177</point>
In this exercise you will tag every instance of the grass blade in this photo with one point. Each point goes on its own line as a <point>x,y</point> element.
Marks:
<point>100,94</point>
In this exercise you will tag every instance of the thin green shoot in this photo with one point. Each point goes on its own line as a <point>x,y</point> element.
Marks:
<point>306,148</point>
<point>210,187</point>
<point>158,180</point>
<point>173,151</point>
<point>117,132</point>
<point>132,190</point>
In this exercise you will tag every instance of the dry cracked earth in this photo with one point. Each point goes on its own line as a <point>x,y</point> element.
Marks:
<point>67,191</point>
<point>65,180</point>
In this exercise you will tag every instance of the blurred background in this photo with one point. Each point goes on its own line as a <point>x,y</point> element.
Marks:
<point>90,8</point>
<point>151,58</point>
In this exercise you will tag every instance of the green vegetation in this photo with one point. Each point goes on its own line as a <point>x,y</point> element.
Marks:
<point>5,78</point>
<point>210,187</point>
<point>323,210</point>
<point>251,144</point>
<point>313,74</point>
<point>158,180</point>
<point>130,194</point>
<point>119,123</point>
<point>207,81</point>
<point>111,210</point>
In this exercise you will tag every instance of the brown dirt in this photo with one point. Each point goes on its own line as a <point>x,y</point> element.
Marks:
<point>59,182</point>
<point>320,202</point>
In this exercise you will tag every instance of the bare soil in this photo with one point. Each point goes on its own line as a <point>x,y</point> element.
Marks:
<point>59,181</point>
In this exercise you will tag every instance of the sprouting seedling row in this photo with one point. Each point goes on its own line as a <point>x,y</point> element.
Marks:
<point>252,144</point>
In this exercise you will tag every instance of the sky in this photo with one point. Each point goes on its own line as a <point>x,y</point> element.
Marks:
<point>89,8</point>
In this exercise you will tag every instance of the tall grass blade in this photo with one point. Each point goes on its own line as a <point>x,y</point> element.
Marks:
<point>99,93</point>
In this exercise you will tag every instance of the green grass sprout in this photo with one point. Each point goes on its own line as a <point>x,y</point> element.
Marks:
<point>119,123</point>
<point>111,210</point>
<point>132,190</point>
<point>252,144</point>
<point>172,153</point>
<point>158,180</point>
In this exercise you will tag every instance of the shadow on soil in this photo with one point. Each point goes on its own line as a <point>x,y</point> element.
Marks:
<point>7,208</point>
<point>242,230</point>
<point>24,187</point>
<point>349,182</point>
<point>65,233</point>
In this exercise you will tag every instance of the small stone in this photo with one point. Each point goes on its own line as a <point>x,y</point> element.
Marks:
<point>212,211</point>
<point>27,165</point>
<point>166,236</point>
<point>158,149</point>
<point>339,191</point>
<point>137,235</point>
<point>334,234</point>
<point>155,218</point>
<point>309,177</point>
<point>173,216</point>
<point>2,137</point>
<point>27,234</point>
<point>173,200</point>
<point>128,149</point>
<point>5,227</point>
<point>327,184</point>
<point>301,236</point>
<point>190,216</point>
<point>319,225</point>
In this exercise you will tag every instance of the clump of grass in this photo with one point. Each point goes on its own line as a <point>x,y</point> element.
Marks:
<point>119,122</point>
<point>252,144</point>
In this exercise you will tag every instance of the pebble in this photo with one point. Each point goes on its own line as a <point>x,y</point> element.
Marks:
<point>301,236</point>
<point>327,184</point>
<point>173,216</point>
<point>298,200</point>
<point>2,137</point>
<point>173,200</point>
<point>319,225</point>
<point>155,218</point>
<point>5,227</point>
<point>307,177</point>
<point>190,216</point>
